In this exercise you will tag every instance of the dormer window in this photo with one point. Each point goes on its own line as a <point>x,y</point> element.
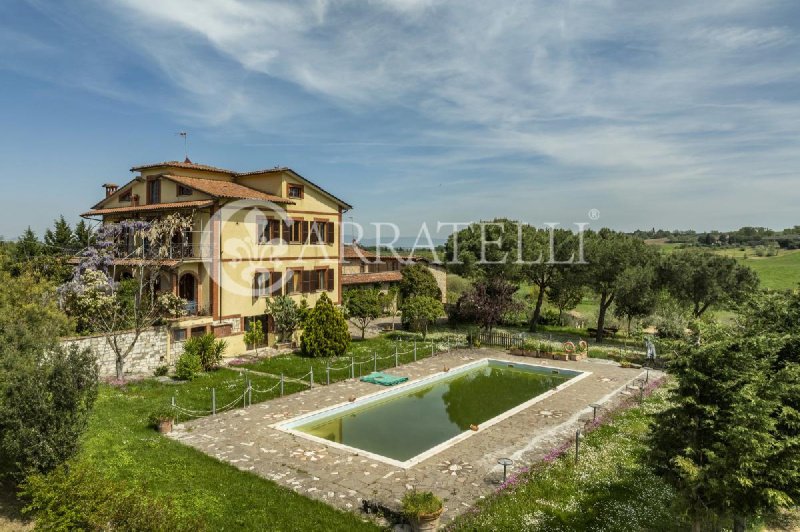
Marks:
<point>184,190</point>
<point>295,191</point>
<point>125,197</point>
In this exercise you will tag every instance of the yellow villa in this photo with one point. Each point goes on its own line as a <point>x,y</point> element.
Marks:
<point>254,235</point>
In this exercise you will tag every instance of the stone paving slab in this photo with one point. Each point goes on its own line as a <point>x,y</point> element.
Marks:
<point>461,474</point>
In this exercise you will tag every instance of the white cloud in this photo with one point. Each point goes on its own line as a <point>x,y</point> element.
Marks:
<point>675,96</point>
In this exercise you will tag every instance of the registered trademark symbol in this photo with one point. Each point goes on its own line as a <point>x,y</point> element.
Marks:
<point>594,214</point>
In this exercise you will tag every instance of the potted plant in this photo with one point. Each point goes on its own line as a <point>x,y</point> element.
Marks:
<point>162,419</point>
<point>423,510</point>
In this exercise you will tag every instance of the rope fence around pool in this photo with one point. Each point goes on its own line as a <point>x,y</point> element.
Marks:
<point>419,350</point>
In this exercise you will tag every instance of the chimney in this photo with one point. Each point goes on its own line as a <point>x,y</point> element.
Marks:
<point>110,188</point>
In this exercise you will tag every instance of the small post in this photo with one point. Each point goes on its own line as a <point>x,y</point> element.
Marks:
<point>594,406</point>
<point>249,392</point>
<point>577,443</point>
<point>281,384</point>
<point>432,349</point>
<point>647,375</point>
<point>641,394</point>
<point>375,361</point>
<point>505,462</point>
<point>352,368</point>
<point>173,401</point>
<point>415,350</point>
<point>213,401</point>
<point>328,374</point>
<point>311,382</point>
<point>395,355</point>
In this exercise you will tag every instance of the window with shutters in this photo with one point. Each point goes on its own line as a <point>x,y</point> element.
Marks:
<point>294,281</point>
<point>178,335</point>
<point>261,282</point>
<point>319,281</point>
<point>276,284</point>
<point>330,280</point>
<point>268,231</point>
<point>314,230</point>
<point>294,191</point>
<point>308,278</point>
<point>329,236</point>
<point>154,191</point>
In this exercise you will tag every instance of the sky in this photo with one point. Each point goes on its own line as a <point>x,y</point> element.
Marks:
<point>678,114</point>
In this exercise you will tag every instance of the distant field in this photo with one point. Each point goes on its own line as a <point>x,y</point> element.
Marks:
<point>781,272</point>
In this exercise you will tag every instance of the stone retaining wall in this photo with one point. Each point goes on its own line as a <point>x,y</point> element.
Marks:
<point>150,351</point>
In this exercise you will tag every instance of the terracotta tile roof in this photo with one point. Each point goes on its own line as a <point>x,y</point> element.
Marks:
<point>354,251</point>
<point>263,171</point>
<point>226,189</point>
<point>367,278</point>
<point>154,207</point>
<point>185,164</point>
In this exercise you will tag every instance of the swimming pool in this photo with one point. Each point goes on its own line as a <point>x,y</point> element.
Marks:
<point>407,424</point>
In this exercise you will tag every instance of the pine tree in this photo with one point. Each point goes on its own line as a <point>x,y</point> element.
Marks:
<point>82,236</point>
<point>60,239</point>
<point>28,246</point>
<point>325,333</point>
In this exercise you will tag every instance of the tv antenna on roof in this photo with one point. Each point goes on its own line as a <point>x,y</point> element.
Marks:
<point>185,136</point>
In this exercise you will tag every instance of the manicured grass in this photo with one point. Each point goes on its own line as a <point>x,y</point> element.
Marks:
<point>120,444</point>
<point>612,488</point>
<point>362,351</point>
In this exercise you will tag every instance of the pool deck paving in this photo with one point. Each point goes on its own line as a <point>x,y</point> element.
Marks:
<point>461,474</point>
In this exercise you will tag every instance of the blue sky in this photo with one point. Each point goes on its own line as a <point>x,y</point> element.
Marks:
<point>677,114</point>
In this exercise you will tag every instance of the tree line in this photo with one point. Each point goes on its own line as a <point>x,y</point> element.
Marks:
<point>621,270</point>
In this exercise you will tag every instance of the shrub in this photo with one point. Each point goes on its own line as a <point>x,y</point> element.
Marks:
<point>188,366</point>
<point>207,348</point>
<point>419,281</point>
<point>77,497</point>
<point>161,370</point>
<point>419,503</point>
<point>325,333</point>
<point>45,402</point>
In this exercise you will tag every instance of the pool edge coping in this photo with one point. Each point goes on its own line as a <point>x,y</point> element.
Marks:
<point>411,462</point>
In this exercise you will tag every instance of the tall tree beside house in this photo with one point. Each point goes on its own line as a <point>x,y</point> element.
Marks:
<point>325,331</point>
<point>609,254</point>
<point>420,311</point>
<point>363,306</point>
<point>701,279</point>
<point>286,316</point>
<point>82,236</point>
<point>121,310</point>
<point>27,246</point>
<point>61,239</point>
<point>418,281</point>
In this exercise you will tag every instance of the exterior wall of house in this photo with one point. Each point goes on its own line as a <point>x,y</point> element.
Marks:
<point>225,283</point>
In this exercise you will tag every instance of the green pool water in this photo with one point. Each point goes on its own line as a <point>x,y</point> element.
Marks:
<point>405,425</point>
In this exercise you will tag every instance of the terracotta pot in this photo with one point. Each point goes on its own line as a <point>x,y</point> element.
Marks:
<point>426,523</point>
<point>560,356</point>
<point>165,426</point>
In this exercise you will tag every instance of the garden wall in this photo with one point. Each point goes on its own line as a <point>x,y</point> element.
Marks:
<point>150,351</point>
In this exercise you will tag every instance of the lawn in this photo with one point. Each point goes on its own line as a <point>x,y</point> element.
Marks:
<point>611,488</point>
<point>362,351</point>
<point>120,443</point>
